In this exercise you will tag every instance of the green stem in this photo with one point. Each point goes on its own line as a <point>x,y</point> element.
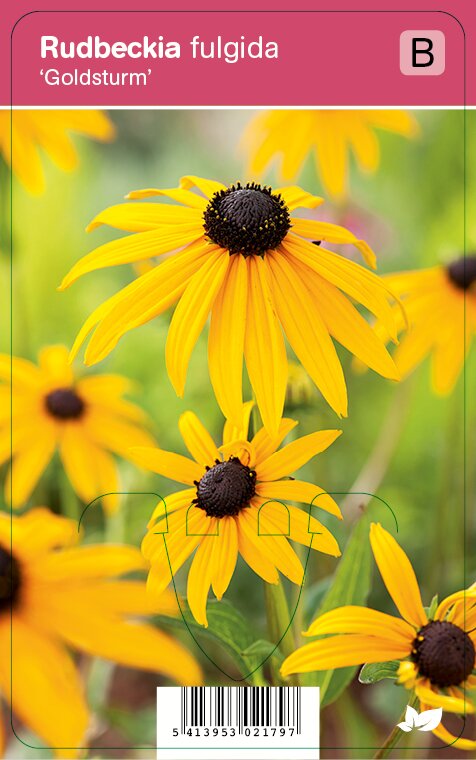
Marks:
<point>396,734</point>
<point>69,501</point>
<point>277,612</point>
<point>375,468</point>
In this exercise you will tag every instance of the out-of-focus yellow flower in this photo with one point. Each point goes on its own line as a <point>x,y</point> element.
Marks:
<point>252,265</point>
<point>437,655</point>
<point>440,304</point>
<point>290,136</point>
<point>29,132</point>
<point>56,597</point>
<point>230,508</point>
<point>300,390</point>
<point>85,419</point>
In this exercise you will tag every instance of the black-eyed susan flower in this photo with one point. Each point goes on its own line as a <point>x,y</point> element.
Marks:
<point>56,598</point>
<point>289,137</point>
<point>32,132</point>
<point>234,503</point>
<point>440,304</point>
<point>253,266</point>
<point>46,408</point>
<point>437,654</point>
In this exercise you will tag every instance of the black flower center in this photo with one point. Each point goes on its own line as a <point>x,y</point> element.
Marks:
<point>64,404</point>
<point>462,272</point>
<point>9,580</point>
<point>249,220</point>
<point>444,653</point>
<point>226,488</point>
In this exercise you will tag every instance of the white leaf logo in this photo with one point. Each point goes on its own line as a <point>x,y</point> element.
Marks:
<point>427,720</point>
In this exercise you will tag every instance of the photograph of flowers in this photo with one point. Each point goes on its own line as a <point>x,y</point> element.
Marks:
<point>237,422</point>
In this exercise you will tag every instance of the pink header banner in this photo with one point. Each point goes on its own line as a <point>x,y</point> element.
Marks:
<point>237,58</point>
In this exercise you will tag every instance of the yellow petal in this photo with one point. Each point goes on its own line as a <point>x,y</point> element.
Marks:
<point>191,314</point>
<point>295,454</point>
<point>200,578</point>
<point>179,500</point>
<point>265,445</point>
<point>170,465</point>
<point>90,562</point>
<point>207,186</point>
<point>341,652</point>
<point>295,197</point>
<point>176,194</point>
<point>303,528</point>
<point>272,542</point>
<point>333,233</point>
<point>449,739</point>
<point>250,549</point>
<point>350,329</point>
<point>353,619</point>
<point>142,300</point>
<point>91,470</point>
<point>424,692</point>
<point>307,333</point>
<point>226,339</point>
<point>398,576</point>
<point>135,645</point>
<point>53,360</point>
<point>197,439</point>
<point>298,490</point>
<point>331,157</point>
<point>238,432</point>
<point>136,247</point>
<point>140,217</point>
<point>264,347</point>
<point>364,286</point>
<point>41,669</point>
<point>28,466</point>
<point>225,554</point>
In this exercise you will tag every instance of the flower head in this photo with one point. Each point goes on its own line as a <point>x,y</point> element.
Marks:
<point>31,131</point>
<point>86,419</point>
<point>437,654</point>
<point>56,597</point>
<point>251,265</point>
<point>440,304</point>
<point>329,136</point>
<point>234,504</point>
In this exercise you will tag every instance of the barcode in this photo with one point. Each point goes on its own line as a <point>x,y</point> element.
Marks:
<point>241,707</point>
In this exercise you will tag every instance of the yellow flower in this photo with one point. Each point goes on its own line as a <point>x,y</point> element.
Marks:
<point>254,267</point>
<point>290,136</point>
<point>34,131</point>
<point>440,305</point>
<point>230,507</point>
<point>57,597</point>
<point>85,419</point>
<point>438,655</point>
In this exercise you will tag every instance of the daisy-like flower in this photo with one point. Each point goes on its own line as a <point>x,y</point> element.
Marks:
<point>221,513</point>
<point>46,408</point>
<point>440,305</point>
<point>289,137</point>
<point>437,655</point>
<point>56,597</point>
<point>32,132</point>
<point>253,266</point>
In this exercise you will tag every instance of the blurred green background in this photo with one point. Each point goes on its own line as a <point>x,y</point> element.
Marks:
<point>412,214</point>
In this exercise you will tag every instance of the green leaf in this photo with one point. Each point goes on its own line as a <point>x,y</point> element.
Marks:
<point>430,611</point>
<point>377,671</point>
<point>226,627</point>
<point>262,649</point>
<point>351,585</point>
<point>138,727</point>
